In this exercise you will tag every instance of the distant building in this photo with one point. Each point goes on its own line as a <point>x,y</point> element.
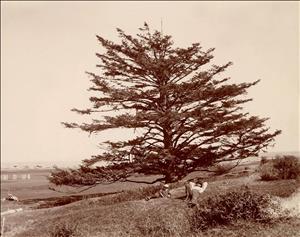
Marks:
<point>4,176</point>
<point>12,176</point>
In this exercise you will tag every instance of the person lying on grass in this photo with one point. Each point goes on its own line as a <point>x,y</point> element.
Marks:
<point>193,190</point>
<point>164,192</point>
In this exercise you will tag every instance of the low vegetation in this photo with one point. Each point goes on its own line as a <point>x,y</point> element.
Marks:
<point>282,167</point>
<point>229,207</point>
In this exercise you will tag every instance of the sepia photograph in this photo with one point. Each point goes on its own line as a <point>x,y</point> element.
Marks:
<point>150,118</point>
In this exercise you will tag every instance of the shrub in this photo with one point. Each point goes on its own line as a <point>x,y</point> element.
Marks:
<point>64,229</point>
<point>288,167</point>
<point>285,167</point>
<point>268,172</point>
<point>229,207</point>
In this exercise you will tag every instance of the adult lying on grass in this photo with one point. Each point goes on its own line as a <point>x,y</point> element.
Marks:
<point>193,190</point>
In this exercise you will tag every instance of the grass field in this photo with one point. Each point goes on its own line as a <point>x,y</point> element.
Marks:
<point>37,189</point>
<point>127,215</point>
<point>38,186</point>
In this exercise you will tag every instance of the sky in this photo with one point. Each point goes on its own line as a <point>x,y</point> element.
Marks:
<point>46,48</point>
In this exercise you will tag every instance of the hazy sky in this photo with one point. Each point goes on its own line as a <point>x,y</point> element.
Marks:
<point>47,46</point>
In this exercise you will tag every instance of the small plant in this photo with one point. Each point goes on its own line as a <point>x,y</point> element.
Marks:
<point>285,167</point>
<point>64,229</point>
<point>229,207</point>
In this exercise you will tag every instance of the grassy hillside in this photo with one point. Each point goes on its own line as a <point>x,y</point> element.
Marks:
<point>128,214</point>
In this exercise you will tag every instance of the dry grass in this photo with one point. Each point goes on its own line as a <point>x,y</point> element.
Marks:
<point>134,218</point>
<point>285,228</point>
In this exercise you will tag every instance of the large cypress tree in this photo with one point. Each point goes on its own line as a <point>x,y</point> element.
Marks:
<point>189,118</point>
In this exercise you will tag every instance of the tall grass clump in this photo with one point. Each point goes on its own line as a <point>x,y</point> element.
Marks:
<point>284,167</point>
<point>227,208</point>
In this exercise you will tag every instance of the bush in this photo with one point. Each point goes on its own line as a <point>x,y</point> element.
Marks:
<point>288,167</point>
<point>64,229</point>
<point>285,167</point>
<point>268,172</point>
<point>229,207</point>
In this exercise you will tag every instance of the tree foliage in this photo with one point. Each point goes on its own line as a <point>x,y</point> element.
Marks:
<point>189,116</point>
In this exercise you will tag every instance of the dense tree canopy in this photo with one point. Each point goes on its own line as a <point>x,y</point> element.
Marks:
<point>189,117</point>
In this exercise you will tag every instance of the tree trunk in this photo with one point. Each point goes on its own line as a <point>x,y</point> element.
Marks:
<point>167,139</point>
